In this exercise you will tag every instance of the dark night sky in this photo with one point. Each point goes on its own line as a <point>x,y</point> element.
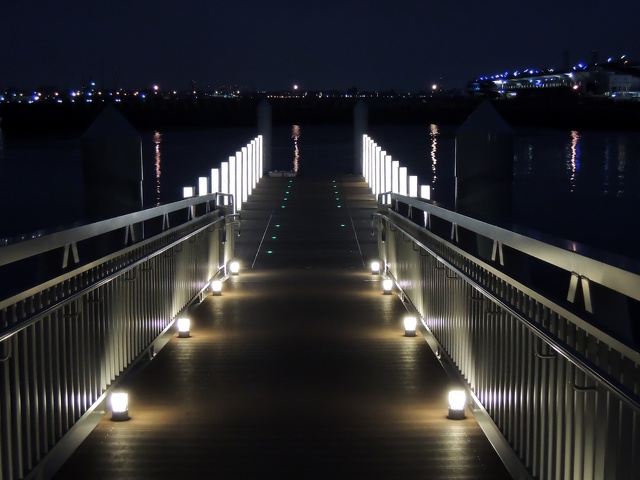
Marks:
<point>270,45</point>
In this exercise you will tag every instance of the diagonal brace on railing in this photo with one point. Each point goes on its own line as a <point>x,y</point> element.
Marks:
<point>573,357</point>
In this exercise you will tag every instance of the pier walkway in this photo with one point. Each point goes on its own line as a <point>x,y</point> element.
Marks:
<point>300,369</point>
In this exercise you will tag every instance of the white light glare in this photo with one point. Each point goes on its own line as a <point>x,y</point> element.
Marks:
<point>457,403</point>
<point>184,325</point>
<point>234,267</point>
<point>410,324</point>
<point>375,267</point>
<point>119,402</point>
<point>216,287</point>
<point>119,406</point>
<point>457,399</point>
<point>387,285</point>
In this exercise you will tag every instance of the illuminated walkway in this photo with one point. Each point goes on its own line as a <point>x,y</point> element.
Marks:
<point>299,370</point>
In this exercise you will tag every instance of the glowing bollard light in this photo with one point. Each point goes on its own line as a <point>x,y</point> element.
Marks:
<point>216,287</point>
<point>387,286</point>
<point>184,327</point>
<point>375,267</point>
<point>457,402</point>
<point>410,324</point>
<point>119,406</point>
<point>234,268</point>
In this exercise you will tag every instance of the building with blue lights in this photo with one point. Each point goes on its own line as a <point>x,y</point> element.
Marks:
<point>614,78</point>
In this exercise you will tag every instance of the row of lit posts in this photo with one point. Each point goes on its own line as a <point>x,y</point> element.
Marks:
<point>238,176</point>
<point>385,175</point>
<point>119,399</point>
<point>457,397</point>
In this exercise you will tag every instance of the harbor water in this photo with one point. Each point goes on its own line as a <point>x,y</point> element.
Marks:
<point>577,186</point>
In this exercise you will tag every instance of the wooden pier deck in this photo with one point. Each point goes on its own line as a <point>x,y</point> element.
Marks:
<point>299,370</point>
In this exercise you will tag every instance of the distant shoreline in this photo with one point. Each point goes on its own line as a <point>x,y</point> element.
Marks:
<point>561,113</point>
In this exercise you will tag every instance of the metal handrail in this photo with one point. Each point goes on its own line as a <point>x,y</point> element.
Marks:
<point>573,357</point>
<point>28,248</point>
<point>33,318</point>
<point>615,278</point>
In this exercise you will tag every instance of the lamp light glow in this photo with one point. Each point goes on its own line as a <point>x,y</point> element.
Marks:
<point>234,267</point>
<point>184,327</point>
<point>387,286</point>
<point>457,403</point>
<point>119,406</point>
<point>375,267</point>
<point>216,287</point>
<point>410,324</point>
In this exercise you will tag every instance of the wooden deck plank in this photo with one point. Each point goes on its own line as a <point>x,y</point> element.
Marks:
<point>299,370</point>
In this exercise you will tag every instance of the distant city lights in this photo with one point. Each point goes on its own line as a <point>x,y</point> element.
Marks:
<point>617,77</point>
<point>610,79</point>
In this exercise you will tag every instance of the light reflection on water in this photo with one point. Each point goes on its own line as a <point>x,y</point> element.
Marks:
<point>564,182</point>
<point>433,135</point>
<point>622,165</point>
<point>157,139</point>
<point>573,159</point>
<point>295,134</point>
<point>596,163</point>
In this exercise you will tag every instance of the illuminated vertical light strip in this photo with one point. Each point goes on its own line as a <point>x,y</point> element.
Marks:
<point>368,168</point>
<point>381,187</point>
<point>383,156</point>
<point>365,157</point>
<point>245,174</point>
<point>376,170</point>
<point>413,186</point>
<point>254,170</point>
<point>387,177</point>
<point>372,172</point>
<point>372,161</point>
<point>253,156</point>
<point>256,161</point>
<point>215,180</point>
<point>232,177</point>
<point>369,145</point>
<point>238,196</point>
<point>203,186</point>
<point>425,192</point>
<point>224,180</point>
<point>403,180</point>
<point>249,172</point>
<point>372,165</point>
<point>395,178</point>
<point>260,157</point>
